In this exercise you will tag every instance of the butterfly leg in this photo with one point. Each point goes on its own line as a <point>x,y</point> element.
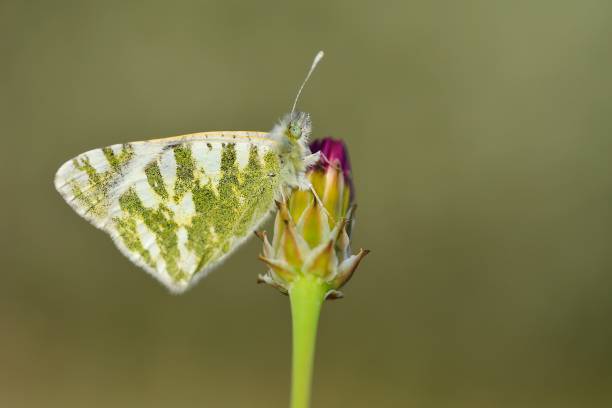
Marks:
<point>312,159</point>
<point>304,184</point>
<point>320,203</point>
<point>325,160</point>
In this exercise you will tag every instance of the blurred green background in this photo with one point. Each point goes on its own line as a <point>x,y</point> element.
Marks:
<point>480,134</point>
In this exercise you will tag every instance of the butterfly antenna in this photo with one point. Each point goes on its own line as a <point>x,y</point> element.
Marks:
<point>317,58</point>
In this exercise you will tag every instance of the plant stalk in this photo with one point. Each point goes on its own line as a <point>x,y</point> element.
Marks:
<point>307,295</point>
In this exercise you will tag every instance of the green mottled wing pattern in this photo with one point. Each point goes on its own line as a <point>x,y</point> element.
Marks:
<point>176,206</point>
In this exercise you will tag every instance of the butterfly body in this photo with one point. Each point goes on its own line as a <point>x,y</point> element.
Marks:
<point>178,206</point>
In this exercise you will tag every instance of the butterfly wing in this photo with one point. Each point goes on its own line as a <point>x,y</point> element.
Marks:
<point>176,206</point>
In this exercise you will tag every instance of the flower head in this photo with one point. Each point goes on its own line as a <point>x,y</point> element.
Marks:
<point>312,227</point>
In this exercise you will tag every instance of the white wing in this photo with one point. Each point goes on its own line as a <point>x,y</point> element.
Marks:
<point>176,206</point>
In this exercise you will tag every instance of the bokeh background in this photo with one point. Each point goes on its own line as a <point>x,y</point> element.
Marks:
<point>480,134</point>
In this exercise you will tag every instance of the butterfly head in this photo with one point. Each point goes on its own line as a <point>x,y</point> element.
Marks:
<point>292,130</point>
<point>298,126</point>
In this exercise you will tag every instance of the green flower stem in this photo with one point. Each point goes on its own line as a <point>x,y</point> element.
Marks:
<point>307,294</point>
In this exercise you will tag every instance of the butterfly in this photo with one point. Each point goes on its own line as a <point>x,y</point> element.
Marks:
<point>178,206</point>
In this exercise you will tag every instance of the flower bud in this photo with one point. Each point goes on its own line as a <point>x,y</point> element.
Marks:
<point>312,227</point>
